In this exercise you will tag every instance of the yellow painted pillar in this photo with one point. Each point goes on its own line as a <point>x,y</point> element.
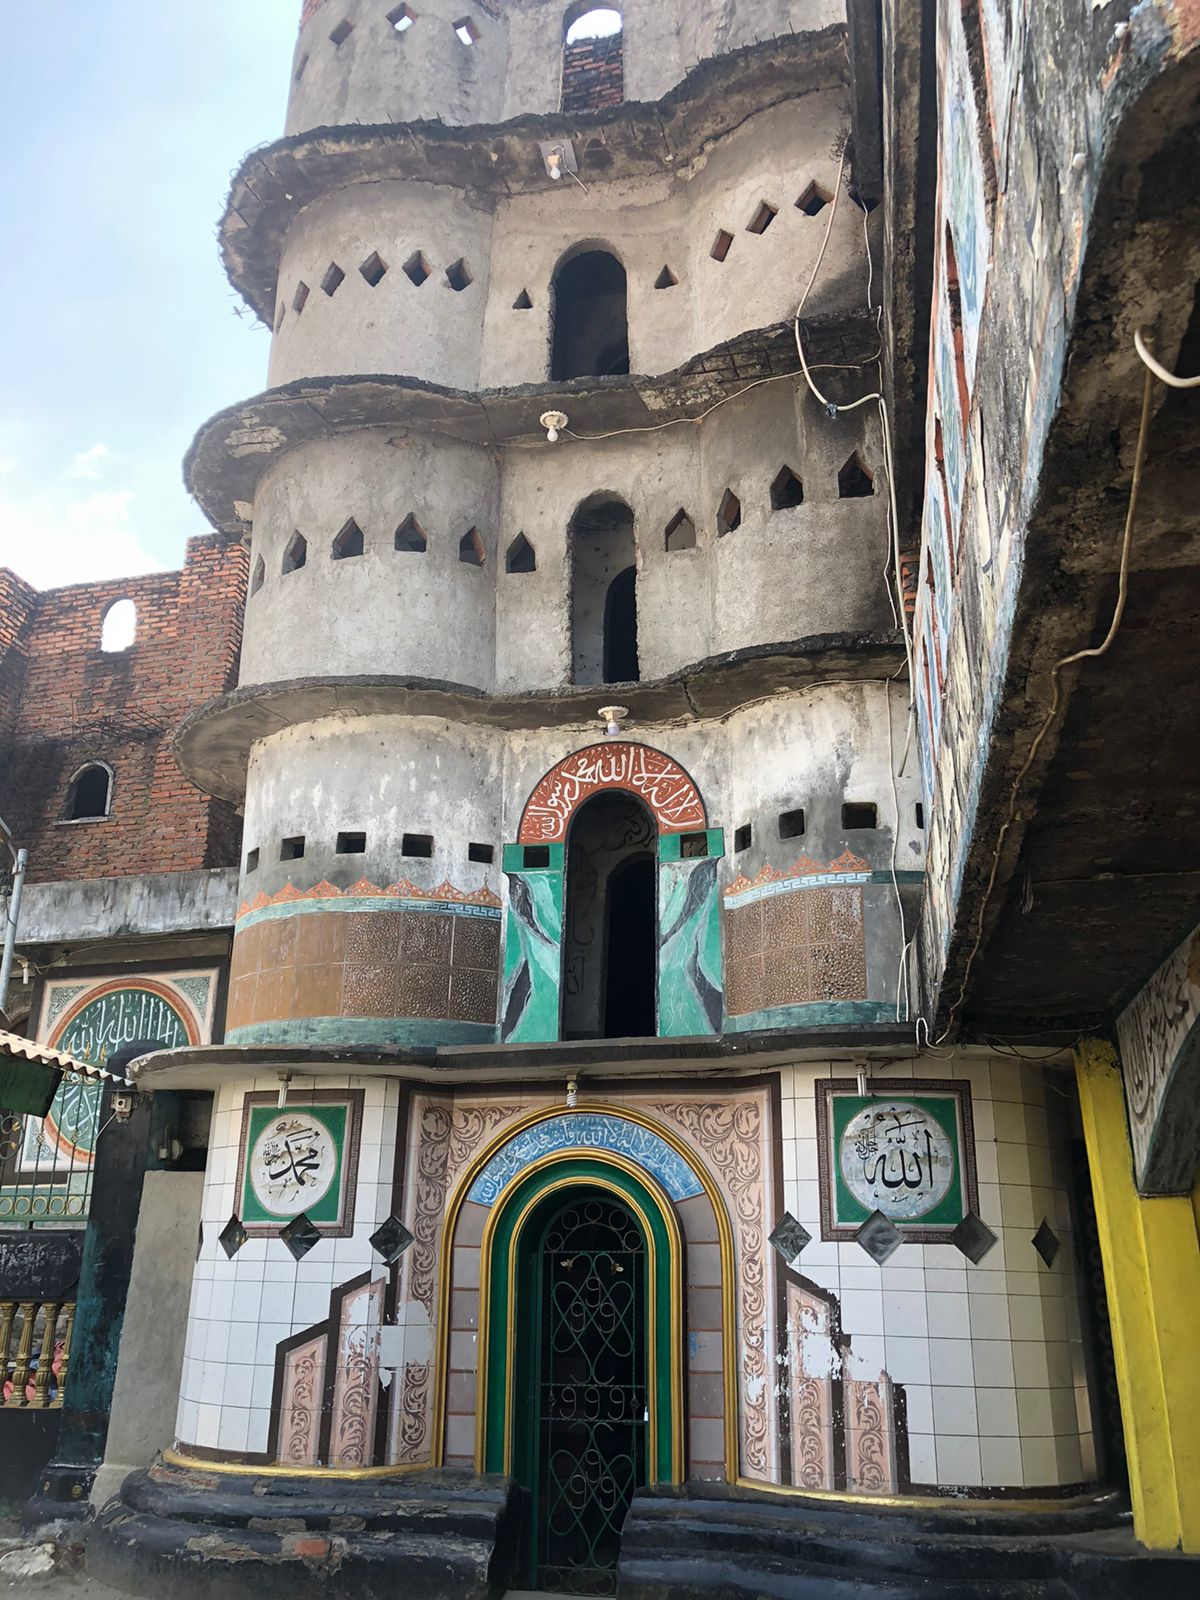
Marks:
<point>1151,1256</point>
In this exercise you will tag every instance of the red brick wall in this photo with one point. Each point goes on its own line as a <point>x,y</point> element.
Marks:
<point>71,702</point>
<point>593,74</point>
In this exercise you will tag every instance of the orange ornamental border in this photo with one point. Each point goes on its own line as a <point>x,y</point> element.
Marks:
<point>638,769</point>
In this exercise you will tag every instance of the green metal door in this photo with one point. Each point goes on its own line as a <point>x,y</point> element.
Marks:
<point>583,1416</point>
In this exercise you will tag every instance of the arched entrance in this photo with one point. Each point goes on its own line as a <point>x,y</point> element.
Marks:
<point>604,628</point>
<point>581,1341</point>
<point>591,330</point>
<point>610,948</point>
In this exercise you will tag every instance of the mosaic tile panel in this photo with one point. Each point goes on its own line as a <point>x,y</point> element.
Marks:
<point>804,946</point>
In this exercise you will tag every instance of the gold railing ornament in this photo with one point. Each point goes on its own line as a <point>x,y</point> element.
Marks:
<point>33,1369</point>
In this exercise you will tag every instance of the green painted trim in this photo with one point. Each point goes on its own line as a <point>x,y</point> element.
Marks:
<point>512,857</point>
<point>817,1014</point>
<point>365,902</point>
<point>582,1170</point>
<point>386,1031</point>
<point>670,845</point>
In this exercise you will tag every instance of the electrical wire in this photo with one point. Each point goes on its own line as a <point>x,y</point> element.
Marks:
<point>1055,697</point>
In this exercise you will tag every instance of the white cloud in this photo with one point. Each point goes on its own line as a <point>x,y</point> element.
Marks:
<point>7,464</point>
<point>56,536</point>
<point>89,464</point>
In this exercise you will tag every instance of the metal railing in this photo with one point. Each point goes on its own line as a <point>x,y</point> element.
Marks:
<point>35,1350</point>
<point>46,1163</point>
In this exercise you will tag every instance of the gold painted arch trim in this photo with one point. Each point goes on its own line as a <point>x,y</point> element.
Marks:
<point>729,1327</point>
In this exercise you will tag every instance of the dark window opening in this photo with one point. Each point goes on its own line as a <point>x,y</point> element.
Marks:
<point>861,200</point>
<point>855,480</point>
<point>470,548</point>
<point>620,629</point>
<point>374,269</point>
<point>342,32</point>
<point>693,846</point>
<point>680,532</point>
<point>603,554</point>
<point>595,155</point>
<point>786,490</point>
<point>300,66</point>
<point>252,860</point>
<point>791,824</point>
<point>349,542</point>
<point>589,317</point>
<point>859,815</point>
<point>742,837</point>
<point>520,556</point>
<point>814,200</point>
<point>300,297</point>
<point>485,854</point>
<point>292,849</point>
<point>666,279</point>
<point>536,855</point>
<point>402,19</point>
<point>610,932</point>
<point>458,276</point>
<point>416,268</point>
<point>351,844</point>
<point>88,795</point>
<point>523,302</point>
<point>729,514</point>
<point>919,813</point>
<point>259,576</point>
<point>410,537</point>
<point>333,280</point>
<point>279,319</point>
<point>416,844</point>
<point>720,245</point>
<point>762,218</point>
<point>593,73</point>
<point>295,553</point>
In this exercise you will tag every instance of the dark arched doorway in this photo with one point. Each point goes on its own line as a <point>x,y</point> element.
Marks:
<point>604,630</point>
<point>590,320</point>
<point>610,943</point>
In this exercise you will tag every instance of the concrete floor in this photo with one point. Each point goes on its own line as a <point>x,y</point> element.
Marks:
<point>78,1585</point>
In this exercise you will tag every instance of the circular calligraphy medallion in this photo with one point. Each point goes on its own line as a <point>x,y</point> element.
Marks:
<point>896,1157</point>
<point>292,1164</point>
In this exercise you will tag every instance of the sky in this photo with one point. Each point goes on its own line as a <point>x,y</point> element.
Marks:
<point>119,334</point>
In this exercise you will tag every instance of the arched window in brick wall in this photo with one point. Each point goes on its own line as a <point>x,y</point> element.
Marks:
<point>593,70</point>
<point>89,793</point>
<point>119,628</point>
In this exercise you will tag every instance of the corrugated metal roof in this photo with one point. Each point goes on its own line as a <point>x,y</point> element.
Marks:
<point>12,1044</point>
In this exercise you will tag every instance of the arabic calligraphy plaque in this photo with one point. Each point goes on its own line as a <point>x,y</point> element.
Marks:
<point>300,1159</point>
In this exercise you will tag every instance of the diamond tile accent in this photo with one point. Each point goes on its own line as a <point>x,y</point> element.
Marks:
<point>300,1235</point>
<point>880,1237</point>
<point>232,1236</point>
<point>391,1239</point>
<point>1047,1243</point>
<point>789,1236</point>
<point>973,1237</point>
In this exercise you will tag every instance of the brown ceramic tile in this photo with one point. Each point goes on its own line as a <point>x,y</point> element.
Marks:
<point>472,996</point>
<point>268,949</point>
<point>373,936</point>
<point>846,914</point>
<point>318,991</point>
<point>699,1223</point>
<point>368,990</point>
<point>240,991</point>
<point>461,1391</point>
<point>839,972</point>
<point>476,943</point>
<point>240,959</point>
<point>704,1308</point>
<point>321,938</point>
<point>287,934</point>
<point>744,986</point>
<point>464,1308</point>
<point>743,927</point>
<point>820,913</point>
<point>785,923</point>
<point>425,937</point>
<point>472,1220</point>
<point>706,1394</point>
<point>423,992</point>
<point>786,979</point>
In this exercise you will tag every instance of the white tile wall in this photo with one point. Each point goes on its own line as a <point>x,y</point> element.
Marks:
<point>990,1355</point>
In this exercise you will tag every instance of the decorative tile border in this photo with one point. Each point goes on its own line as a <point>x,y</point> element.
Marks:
<point>586,1130</point>
<point>367,896</point>
<point>804,873</point>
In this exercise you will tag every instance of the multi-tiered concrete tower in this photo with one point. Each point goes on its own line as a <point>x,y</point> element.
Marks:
<point>581,824</point>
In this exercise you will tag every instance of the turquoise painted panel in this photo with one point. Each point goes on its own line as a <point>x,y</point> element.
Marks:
<point>529,1001</point>
<point>817,1014</point>
<point>690,993</point>
<point>586,1130</point>
<point>392,1032</point>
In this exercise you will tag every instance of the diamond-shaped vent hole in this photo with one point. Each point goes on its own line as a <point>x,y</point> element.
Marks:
<point>391,1239</point>
<point>973,1237</point>
<point>1047,1243</point>
<point>232,1237</point>
<point>374,269</point>
<point>458,276</point>
<point>789,1236</point>
<point>880,1237</point>
<point>334,279</point>
<point>814,200</point>
<point>417,269</point>
<point>300,1235</point>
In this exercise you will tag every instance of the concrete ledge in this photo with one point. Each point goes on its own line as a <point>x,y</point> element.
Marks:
<point>111,908</point>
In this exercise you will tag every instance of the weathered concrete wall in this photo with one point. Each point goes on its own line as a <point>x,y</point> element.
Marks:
<point>377,75</point>
<point>112,908</point>
<point>783,574</point>
<point>479,337</point>
<point>154,1331</point>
